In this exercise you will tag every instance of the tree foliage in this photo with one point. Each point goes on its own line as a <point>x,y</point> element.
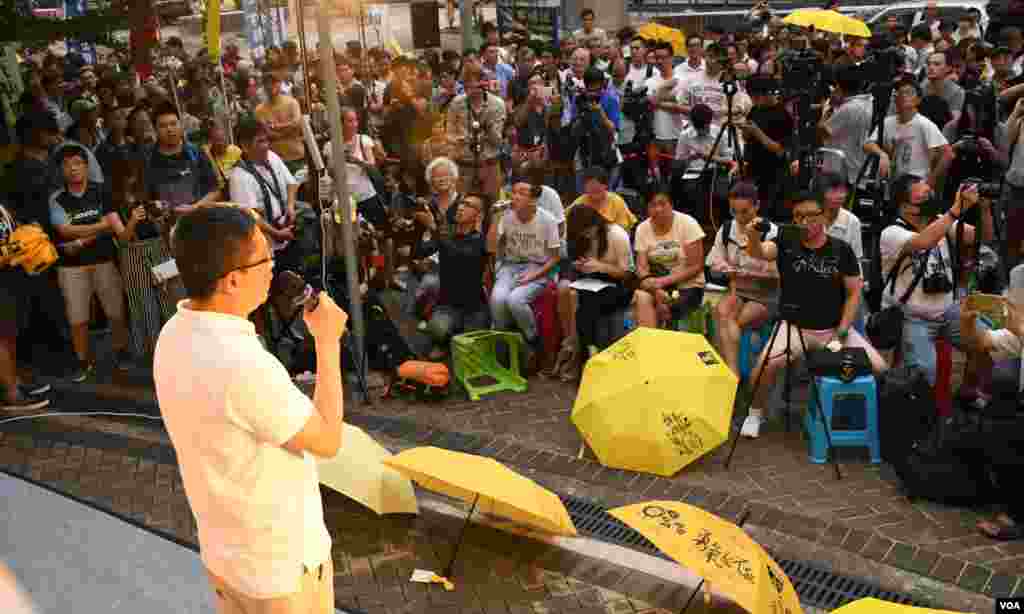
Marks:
<point>29,29</point>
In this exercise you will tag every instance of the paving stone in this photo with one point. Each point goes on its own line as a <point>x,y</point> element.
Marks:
<point>902,556</point>
<point>923,562</point>
<point>834,535</point>
<point>974,578</point>
<point>877,548</point>
<point>948,569</point>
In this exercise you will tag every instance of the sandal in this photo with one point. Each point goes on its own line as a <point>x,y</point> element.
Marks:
<point>570,369</point>
<point>1001,528</point>
<point>564,354</point>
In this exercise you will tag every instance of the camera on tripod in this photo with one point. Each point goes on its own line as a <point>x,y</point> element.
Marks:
<point>802,72</point>
<point>634,102</point>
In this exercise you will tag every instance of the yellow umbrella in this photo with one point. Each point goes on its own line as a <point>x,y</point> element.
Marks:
<point>870,605</point>
<point>656,31</point>
<point>829,21</point>
<point>720,552</point>
<point>490,486</point>
<point>655,401</point>
<point>358,472</point>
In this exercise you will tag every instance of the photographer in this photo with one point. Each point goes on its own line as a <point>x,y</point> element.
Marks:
<point>820,295</point>
<point>767,133</point>
<point>595,123</point>
<point>261,181</point>
<point>918,248</point>
<point>692,180</point>
<point>846,120</point>
<point>476,122</point>
<point>972,136</point>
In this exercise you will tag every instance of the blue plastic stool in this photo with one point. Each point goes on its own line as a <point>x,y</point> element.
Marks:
<point>749,350</point>
<point>851,410</point>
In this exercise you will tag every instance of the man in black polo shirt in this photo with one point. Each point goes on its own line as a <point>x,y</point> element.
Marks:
<point>177,173</point>
<point>820,295</point>
<point>87,267</point>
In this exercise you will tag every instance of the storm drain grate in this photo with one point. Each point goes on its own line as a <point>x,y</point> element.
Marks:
<point>816,587</point>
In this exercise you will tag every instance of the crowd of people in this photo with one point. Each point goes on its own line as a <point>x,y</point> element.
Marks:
<point>611,170</point>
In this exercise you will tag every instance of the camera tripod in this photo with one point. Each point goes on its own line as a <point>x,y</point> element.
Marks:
<point>729,130</point>
<point>788,316</point>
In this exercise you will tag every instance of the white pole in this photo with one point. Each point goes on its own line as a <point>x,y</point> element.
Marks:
<point>339,161</point>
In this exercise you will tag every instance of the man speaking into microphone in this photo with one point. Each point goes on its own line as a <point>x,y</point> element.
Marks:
<point>820,284</point>
<point>244,435</point>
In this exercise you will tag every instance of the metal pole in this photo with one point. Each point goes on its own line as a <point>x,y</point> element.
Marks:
<point>338,157</point>
<point>466,17</point>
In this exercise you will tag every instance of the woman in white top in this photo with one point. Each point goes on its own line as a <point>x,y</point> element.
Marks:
<point>669,262</point>
<point>753,283</point>
<point>360,151</point>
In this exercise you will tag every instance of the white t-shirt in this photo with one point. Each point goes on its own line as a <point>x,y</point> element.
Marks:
<point>685,72</point>
<point>667,126</point>
<point>702,89</point>
<point>910,144</point>
<point>847,228</point>
<point>550,201</point>
<point>247,192</point>
<point>229,406</point>
<point>757,278</point>
<point>638,76</point>
<point>619,252</point>
<point>531,242</point>
<point>921,305</point>
<point>667,252</point>
<point>359,184</point>
<point>691,143</point>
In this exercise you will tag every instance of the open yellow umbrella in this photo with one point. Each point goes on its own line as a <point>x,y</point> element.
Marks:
<point>358,472</point>
<point>829,21</point>
<point>490,486</point>
<point>720,552</point>
<point>655,401</point>
<point>870,605</point>
<point>658,32</point>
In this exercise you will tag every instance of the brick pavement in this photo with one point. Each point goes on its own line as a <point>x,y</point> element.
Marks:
<point>864,513</point>
<point>497,573</point>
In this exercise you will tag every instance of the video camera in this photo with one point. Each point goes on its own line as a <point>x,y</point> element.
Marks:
<point>986,189</point>
<point>635,105</point>
<point>883,65</point>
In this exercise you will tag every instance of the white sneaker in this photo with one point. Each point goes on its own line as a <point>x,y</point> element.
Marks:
<point>751,427</point>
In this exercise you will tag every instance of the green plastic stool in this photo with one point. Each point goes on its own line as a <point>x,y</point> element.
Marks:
<point>475,357</point>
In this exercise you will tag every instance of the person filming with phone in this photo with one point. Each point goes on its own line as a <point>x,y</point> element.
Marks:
<point>244,435</point>
<point>917,250</point>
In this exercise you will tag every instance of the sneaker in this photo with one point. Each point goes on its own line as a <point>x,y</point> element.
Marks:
<point>34,388</point>
<point>751,427</point>
<point>24,403</point>
<point>83,371</point>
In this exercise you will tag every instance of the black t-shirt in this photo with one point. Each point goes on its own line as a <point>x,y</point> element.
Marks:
<point>779,127</point>
<point>518,90</point>
<point>532,131</point>
<point>89,208</point>
<point>462,260</point>
<point>143,230</point>
<point>28,186</point>
<point>181,179</point>
<point>812,280</point>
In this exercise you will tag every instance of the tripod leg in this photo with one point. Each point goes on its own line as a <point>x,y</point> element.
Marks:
<point>821,412</point>
<point>754,389</point>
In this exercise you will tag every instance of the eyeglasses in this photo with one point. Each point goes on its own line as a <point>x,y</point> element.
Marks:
<point>248,266</point>
<point>806,217</point>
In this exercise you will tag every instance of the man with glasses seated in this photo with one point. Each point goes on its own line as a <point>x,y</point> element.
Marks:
<point>819,298</point>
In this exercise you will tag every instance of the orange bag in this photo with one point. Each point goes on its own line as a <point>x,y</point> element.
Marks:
<point>428,373</point>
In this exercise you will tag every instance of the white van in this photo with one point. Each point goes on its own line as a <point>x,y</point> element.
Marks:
<point>912,13</point>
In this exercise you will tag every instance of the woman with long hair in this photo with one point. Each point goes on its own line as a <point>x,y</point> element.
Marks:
<point>140,248</point>
<point>601,261</point>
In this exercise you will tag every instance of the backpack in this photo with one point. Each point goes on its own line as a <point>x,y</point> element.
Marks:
<point>906,411</point>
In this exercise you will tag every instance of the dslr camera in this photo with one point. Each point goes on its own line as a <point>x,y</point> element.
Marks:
<point>986,189</point>
<point>936,283</point>
<point>156,210</point>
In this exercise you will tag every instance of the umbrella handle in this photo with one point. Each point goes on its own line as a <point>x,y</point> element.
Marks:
<point>455,553</point>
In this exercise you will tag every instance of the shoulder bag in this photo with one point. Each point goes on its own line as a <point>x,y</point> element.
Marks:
<point>885,327</point>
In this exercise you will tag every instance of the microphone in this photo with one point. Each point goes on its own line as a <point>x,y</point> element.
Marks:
<point>298,293</point>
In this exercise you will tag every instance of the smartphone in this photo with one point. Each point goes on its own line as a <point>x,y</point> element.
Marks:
<point>991,306</point>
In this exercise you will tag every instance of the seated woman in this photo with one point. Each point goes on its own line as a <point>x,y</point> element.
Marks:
<point>669,263</point>
<point>600,260</point>
<point>753,283</point>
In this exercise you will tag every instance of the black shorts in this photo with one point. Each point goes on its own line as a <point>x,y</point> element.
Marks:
<point>13,299</point>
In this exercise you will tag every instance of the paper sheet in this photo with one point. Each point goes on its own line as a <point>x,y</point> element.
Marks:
<point>590,285</point>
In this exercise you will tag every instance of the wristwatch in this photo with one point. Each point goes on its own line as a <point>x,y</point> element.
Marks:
<point>842,333</point>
